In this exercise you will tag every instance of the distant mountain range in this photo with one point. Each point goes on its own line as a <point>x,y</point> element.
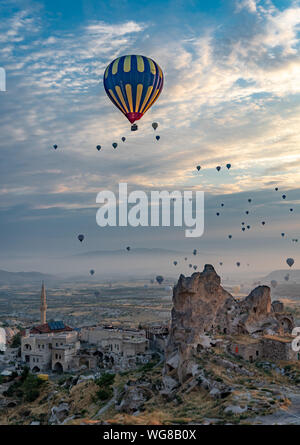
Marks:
<point>278,275</point>
<point>141,251</point>
<point>24,277</point>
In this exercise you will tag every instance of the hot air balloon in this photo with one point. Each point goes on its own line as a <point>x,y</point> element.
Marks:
<point>159,279</point>
<point>290,261</point>
<point>291,210</point>
<point>243,229</point>
<point>98,147</point>
<point>195,252</point>
<point>283,196</point>
<point>218,168</point>
<point>282,235</point>
<point>175,263</point>
<point>243,223</point>
<point>273,283</point>
<point>247,212</point>
<point>229,236</point>
<point>222,205</point>
<point>154,125</point>
<point>195,267</point>
<point>55,146</point>
<point>133,83</point>
<point>217,213</point>
<point>228,166</point>
<point>263,223</point>
<point>198,167</point>
<point>128,248</point>
<point>248,227</point>
<point>276,189</point>
<point>123,139</point>
<point>221,264</point>
<point>114,144</point>
<point>92,272</point>
<point>238,264</point>
<point>157,138</point>
<point>185,259</point>
<point>287,277</point>
<point>190,265</point>
<point>80,237</point>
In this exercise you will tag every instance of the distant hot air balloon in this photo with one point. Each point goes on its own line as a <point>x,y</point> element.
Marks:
<point>190,265</point>
<point>273,283</point>
<point>291,210</point>
<point>229,236</point>
<point>195,267</point>
<point>98,147</point>
<point>282,235</point>
<point>154,125</point>
<point>198,167</point>
<point>290,261</point>
<point>123,139</point>
<point>276,189</point>
<point>157,138</point>
<point>92,272</point>
<point>263,223</point>
<point>287,277</point>
<point>247,212</point>
<point>238,264</point>
<point>248,227</point>
<point>185,258</point>
<point>114,144</point>
<point>218,214</point>
<point>80,237</point>
<point>218,168</point>
<point>195,252</point>
<point>221,264</point>
<point>159,279</point>
<point>55,146</point>
<point>243,223</point>
<point>128,248</point>
<point>228,166</point>
<point>243,229</point>
<point>222,205</point>
<point>283,196</point>
<point>133,83</point>
<point>249,200</point>
<point>175,263</point>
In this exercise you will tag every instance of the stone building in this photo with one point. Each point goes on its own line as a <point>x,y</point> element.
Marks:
<point>49,346</point>
<point>51,350</point>
<point>116,347</point>
<point>273,348</point>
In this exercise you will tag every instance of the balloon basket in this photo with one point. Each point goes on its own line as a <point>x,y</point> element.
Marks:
<point>134,127</point>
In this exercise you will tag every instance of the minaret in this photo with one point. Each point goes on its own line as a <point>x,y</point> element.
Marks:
<point>43,304</point>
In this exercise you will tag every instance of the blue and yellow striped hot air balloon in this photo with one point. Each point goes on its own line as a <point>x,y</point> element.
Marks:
<point>133,83</point>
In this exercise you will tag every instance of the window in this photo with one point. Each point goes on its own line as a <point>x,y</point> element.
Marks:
<point>257,353</point>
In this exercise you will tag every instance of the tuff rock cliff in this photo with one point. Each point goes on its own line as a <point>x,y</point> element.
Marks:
<point>202,308</point>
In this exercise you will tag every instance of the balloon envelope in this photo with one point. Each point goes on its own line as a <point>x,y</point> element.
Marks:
<point>154,125</point>
<point>290,261</point>
<point>133,83</point>
<point>80,237</point>
<point>159,279</point>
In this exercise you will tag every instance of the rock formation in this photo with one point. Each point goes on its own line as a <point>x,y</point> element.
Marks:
<point>202,308</point>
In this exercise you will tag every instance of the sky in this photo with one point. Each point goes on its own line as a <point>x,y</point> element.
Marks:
<point>231,95</point>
